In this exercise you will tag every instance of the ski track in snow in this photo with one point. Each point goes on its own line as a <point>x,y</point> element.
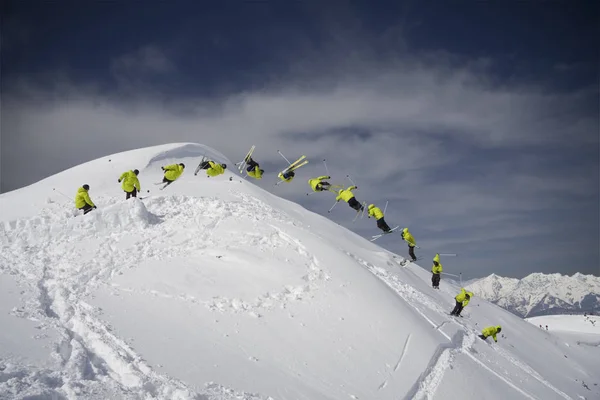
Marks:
<point>62,271</point>
<point>462,341</point>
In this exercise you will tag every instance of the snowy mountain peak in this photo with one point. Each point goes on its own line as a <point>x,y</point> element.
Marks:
<point>541,294</point>
<point>214,289</point>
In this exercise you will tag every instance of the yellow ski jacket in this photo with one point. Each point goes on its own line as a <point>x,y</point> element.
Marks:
<point>82,198</point>
<point>345,194</point>
<point>215,169</point>
<point>129,180</point>
<point>462,297</point>
<point>375,212</point>
<point>315,181</point>
<point>173,171</point>
<point>406,235</point>
<point>491,331</point>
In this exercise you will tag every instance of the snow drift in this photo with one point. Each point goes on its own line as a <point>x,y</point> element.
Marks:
<point>217,289</point>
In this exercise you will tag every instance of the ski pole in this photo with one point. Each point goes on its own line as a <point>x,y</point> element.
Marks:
<point>284,157</point>
<point>385,208</point>
<point>326,169</point>
<point>350,179</point>
<point>64,195</point>
<point>445,273</point>
<point>447,254</point>
<point>334,204</point>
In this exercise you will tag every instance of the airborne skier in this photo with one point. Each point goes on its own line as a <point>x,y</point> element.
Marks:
<point>318,184</point>
<point>348,197</point>
<point>407,237</point>
<point>436,271</point>
<point>253,168</point>
<point>83,201</point>
<point>212,168</point>
<point>376,213</point>
<point>172,173</point>
<point>288,174</point>
<point>131,183</point>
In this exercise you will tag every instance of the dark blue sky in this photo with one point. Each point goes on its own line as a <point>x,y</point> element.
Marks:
<point>477,120</point>
<point>238,41</point>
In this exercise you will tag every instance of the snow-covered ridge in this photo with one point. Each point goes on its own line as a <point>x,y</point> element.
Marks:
<point>215,289</point>
<point>541,294</point>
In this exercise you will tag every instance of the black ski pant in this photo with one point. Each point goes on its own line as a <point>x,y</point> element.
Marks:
<point>133,193</point>
<point>165,180</point>
<point>322,186</point>
<point>457,308</point>
<point>435,280</point>
<point>251,165</point>
<point>86,209</point>
<point>411,252</point>
<point>204,165</point>
<point>355,204</point>
<point>381,224</point>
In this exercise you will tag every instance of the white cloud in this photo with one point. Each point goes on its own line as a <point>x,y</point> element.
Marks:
<point>424,118</point>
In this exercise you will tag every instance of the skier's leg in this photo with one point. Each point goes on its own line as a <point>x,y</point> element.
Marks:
<point>436,280</point>
<point>460,308</point>
<point>165,180</point>
<point>433,280</point>
<point>353,203</point>
<point>251,164</point>
<point>482,337</point>
<point>86,209</point>
<point>456,306</point>
<point>411,252</point>
<point>127,195</point>
<point>381,224</point>
<point>134,192</point>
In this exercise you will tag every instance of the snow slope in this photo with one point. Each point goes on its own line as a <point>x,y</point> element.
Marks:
<point>568,323</point>
<point>216,289</point>
<point>541,294</point>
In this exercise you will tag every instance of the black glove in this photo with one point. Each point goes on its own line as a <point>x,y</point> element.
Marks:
<point>163,168</point>
<point>95,207</point>
<point>119,181</point>
<point>327,177</point>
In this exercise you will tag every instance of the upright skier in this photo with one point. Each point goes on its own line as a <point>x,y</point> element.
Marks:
<point>212,168</point>
<point>253,168</point>
<point>376,213</point>
<point>407,237</point>
<point>348,197</point>
<point>172,173</point>
<point>131,183</point>
<point>318,184</point>
<point>462,299</point>
<point>83,201</point>
<point>436,271</point>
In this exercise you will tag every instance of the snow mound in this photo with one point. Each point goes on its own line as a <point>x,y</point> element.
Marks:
<point>214,289</point>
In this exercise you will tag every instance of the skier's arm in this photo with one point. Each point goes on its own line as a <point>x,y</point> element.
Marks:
<point>338,197</point>
<point>123,176</point>
<point>323,177</point>
<point>171,167</point>
<point>351,188</point>
<point>87,199</point>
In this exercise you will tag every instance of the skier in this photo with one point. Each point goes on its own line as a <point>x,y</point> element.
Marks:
<point>348,196</point>
<point>212,168</point>
<point>131,183</point>
<point>286,176</point>
<point>253,168</point>
<point>407,237</point>
<point>491,331</point>
<point>318,185</point>
<point>462,299</point>
<point>83,201</point>
<point>172,172</point>
<point>436,271</point>
<point>376,213</point>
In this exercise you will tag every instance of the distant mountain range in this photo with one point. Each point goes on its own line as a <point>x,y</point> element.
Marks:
<point>541,294</point>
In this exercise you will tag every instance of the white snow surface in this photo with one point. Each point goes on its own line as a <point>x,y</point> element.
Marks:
<point>217,290</point>
<point>568,323</point>
<point>541,294</point>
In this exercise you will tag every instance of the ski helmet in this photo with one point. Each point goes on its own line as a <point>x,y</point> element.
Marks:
<point>86,187</point>
<point>135,171</point>
<point>182,164</point>
<point>371,206</point>
<point>224,166</point>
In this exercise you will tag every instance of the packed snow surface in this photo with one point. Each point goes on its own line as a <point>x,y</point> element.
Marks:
<point>216,289</point>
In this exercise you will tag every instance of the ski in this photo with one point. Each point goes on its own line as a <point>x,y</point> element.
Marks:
<point>407,261</point>
<point>166,184</point>
<point>245,162</point>
<point>360,213</point>
<point>375,237</point>
<point>199,165</point>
